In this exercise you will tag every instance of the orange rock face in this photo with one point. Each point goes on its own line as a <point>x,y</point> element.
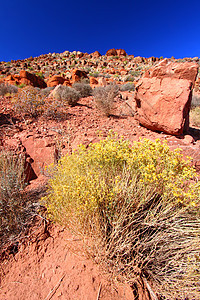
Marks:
<point>93,81</point>
<point>96,54</point>
<point>31,79</point>
<point>111,52</point>
<point>77,75</point>
<point>56,80</point>
<point>186,70</point>
<point>163,97</point>
<point>121,52</point>
<point>25,78</point>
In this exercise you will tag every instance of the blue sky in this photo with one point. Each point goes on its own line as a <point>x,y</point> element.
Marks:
<point>145,28</point>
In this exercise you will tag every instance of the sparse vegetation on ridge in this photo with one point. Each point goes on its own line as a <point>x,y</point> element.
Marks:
<point>139,205</point>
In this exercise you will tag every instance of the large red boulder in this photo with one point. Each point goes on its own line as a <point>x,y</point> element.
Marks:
<point>121,52</point>
<point>96,54</point>
<point>111,52</point>
<point>163,97</point>
<point>31,79</point>
<point>41,150</point>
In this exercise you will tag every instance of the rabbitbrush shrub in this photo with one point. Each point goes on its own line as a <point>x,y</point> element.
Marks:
<point>139,205</point>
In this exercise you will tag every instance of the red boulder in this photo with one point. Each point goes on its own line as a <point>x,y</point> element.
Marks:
<point>163,97</point>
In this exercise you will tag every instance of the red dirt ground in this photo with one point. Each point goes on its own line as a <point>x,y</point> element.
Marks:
<point>47,265</point>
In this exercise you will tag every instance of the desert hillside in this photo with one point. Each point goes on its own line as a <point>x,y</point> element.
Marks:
<point>118,216</point>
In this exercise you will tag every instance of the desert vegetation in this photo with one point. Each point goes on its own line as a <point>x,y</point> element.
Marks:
<point>195,110</point>
<point>140,207</point>
<point>7,89</point>
<point>16,209</point>
<point>104,98</point>
<point>134,204</point>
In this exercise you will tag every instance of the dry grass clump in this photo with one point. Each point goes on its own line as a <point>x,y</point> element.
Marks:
<point>104,98</point>
<point>28,101</point>
<point>15,211</point>
<point>195,111</point>
<point>33,102</point>
<point>84,89</point>
<point>195,116</point>
<point>7,89</point>
<point>140,207</point>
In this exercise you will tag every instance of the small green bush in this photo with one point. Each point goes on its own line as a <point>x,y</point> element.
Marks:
<point>94,74</point>
<point>130,78</point>
<point>139,205</point>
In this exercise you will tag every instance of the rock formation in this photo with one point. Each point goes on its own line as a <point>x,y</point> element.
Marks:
<point>163,97</point>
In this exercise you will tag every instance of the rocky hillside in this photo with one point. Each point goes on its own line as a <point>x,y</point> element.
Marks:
<point>116,65</point>
<point>48,106</point>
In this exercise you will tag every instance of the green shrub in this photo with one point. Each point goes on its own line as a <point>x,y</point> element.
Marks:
<point>21,86</point>
<point>84,89</point>
<point>94,74</point>
<point>104,98</point>
<point>130,78</point>
<point>140,207</point>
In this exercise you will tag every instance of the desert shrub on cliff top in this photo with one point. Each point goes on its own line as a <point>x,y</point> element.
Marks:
<point>140,206</point>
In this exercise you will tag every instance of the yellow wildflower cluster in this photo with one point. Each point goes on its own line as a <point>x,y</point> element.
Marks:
<point>93,178</point>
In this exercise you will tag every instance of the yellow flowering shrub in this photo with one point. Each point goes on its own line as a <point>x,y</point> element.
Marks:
<point>140,206</point>
<point>92,177</point>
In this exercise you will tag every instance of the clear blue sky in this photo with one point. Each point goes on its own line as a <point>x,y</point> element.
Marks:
<point>144,27</point>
